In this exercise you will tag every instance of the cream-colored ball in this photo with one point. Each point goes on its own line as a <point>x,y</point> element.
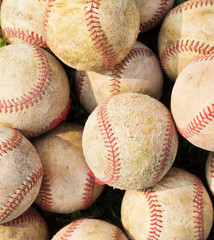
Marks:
<point>90,229</point>
<point>129,141</point>
<point>139,72</point>
<point>192,102</point>
<point>21,174</point>
<point>30,226</point>
<point>152,12</point>
<point>178,207</point>
<point>209,172</point>
<point>35,90</point>
<point>91,35</point>
<point>67,185</point>
<point>186,33</point>
<point>22,21</point>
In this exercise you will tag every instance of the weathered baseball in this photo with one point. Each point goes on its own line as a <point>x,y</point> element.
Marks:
<point>91,35</point>
<point>138,72</point>
<point>186,33</point>
<point>67,185</point>
<point>21,174</point>
<point>30,226</point>
<point>129,141</point>
<point>34,94</point>
<point>152,12</point>
<point>22,21</point>
<point>192,102</point>
<point>178,207</point>
<point>90,229</point>
<point>209,171</point>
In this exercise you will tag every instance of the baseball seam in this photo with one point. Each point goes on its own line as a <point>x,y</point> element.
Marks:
<point>45,193</point>
<point>198,209</point>
<point>98,36</point>
<point>80,83</point>
<point>87,199</point>
<point>27,36</point>
<point>16,199</point>
<point>73,226</point>
<point>117,233</point>
<point>156,17</point>
<point>212,166</point>
<point>170,132</point>
<point>46,17</point>
<point>11,142</point>
<point>156,221</point>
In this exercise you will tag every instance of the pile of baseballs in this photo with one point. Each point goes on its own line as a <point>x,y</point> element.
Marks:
<point>58,52</point>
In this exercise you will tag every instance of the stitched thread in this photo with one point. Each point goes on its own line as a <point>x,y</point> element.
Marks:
<point>80,83</point>
<point>46,17</point>
<point>156,17</point>
<point>20,193</point>
<point>72,227</point>
<point>156,220</point>
<point>97,34</point>
<point>165,151</point>
<point>27,36</point>
<point>117,234</point>
<point>87,199</point>
<point>198,209</point>
<point>212,166</point>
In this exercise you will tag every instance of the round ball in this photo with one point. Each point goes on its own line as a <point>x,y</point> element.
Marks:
<point>21,174</point>
<point>30,225</point>
<point>129,141</point>
<point>22,21</point>
<point>192,102</point>
<point>90,229</point>
<point>152,12</point>
<point>209,172</point>
<point>138,72</point>
<point>67,185</point>
<point>91,35</point>
<point>35,90</point>
<point>178,207</point>
<point>186,33</point>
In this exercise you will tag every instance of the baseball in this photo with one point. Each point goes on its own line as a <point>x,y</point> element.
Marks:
<point>139,72</point>
<point>209,172</point>
<point>91,35</point>
<point>178,207</point>
<point>129,141</point>
<point>90,229</point>
<point>34,87</point>
<point>30,225</point>
<point>21,174</point>
<point>67,185</point>
<point>186,33</point>
<point>152,12</point>
<point>192,102</point>
<point>22,21</point>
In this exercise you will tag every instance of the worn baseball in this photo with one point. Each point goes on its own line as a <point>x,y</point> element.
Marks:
<point>35,90</point>
<point>186,33</point>
<point>192,102</point>
<point>67,185</point>
<point>178,207</point>
<point>30,226</point>
<point>152,12</point>
<point>90,229</point>
<point>209,171</point>
<point>21,174</point>
<point>22,21</point>
<point>91,35</point>
<point>139,72</point>
<point>129,141</point>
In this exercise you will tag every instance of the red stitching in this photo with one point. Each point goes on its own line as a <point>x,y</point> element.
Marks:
<point>117,234</point>
<point>117,70</point>
<point>170,131</point>
<point>45,193</point>
<point>156,17</point>
<point>27,36</point>
<point>156,220</point>
<point>72,227</point>
<point>212,165</point>
<point>98,35</point>
<point>46,17</point>
<point>20,193</point>
<point>87,199</point>
<point>80,83</point>
<point>198,209</point>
